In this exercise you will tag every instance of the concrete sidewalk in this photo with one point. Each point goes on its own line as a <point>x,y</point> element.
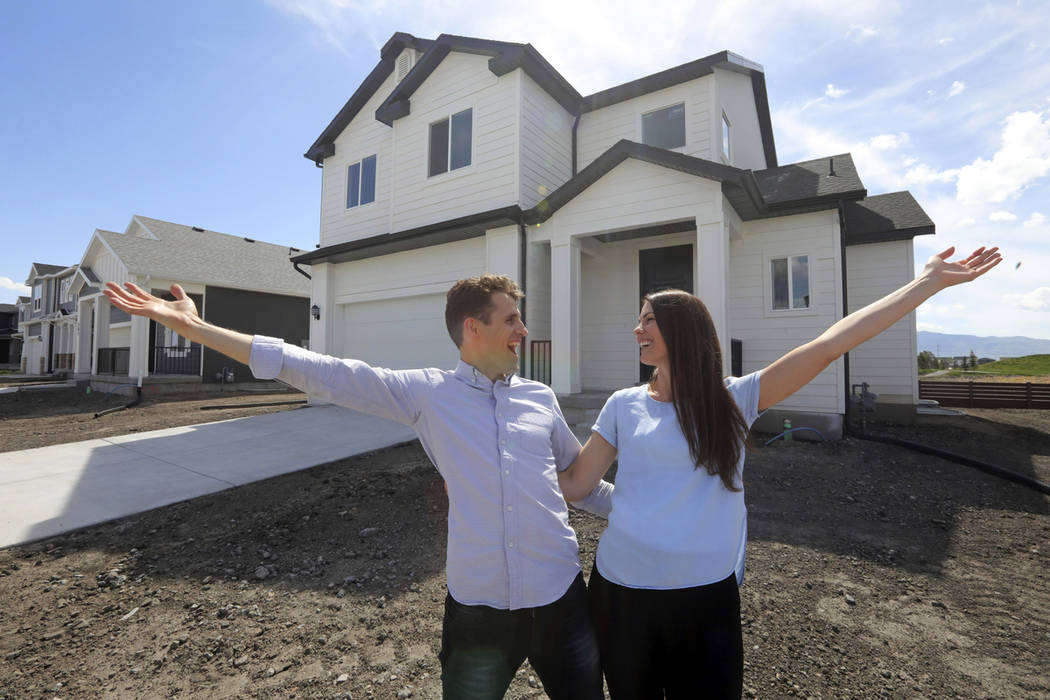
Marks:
<point>51,490</point>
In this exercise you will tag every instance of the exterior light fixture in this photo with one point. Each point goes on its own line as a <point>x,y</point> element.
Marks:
<point>315,311</point>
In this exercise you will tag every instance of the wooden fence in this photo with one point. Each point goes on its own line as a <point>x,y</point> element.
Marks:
<point>986,394</point>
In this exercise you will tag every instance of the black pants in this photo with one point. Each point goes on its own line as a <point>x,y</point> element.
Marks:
<point>482,647</point>
<point>684,642</point>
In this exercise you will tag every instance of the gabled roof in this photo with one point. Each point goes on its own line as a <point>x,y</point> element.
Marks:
<point>42,269</point>
<point>8,309</point>
<point>886,217</point>
<point>508,56</point>
<point>193,254</point>
<point>788,189</point>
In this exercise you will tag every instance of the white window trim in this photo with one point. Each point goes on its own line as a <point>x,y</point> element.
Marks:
<point>449,174</point>
<point>767,283</point>
<point>37,295</point>
<point>685,124</point>
<point>346,182</point>
<point>727,156</point>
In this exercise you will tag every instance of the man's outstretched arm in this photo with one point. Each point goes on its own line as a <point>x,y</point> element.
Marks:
<point>180,316</point>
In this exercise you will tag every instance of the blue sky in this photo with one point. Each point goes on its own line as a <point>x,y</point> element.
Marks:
<point>199,112</point>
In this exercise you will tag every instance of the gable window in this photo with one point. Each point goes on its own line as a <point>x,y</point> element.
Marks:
<point>790,282</point>
<point>38,288</point>
<point>450,142</point>
<point>725,136</point>
<point>361,182</point>
<point>665,127</point>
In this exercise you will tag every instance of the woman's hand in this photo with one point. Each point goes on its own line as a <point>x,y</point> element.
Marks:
<point>131,298</point>
<point>948,274</point>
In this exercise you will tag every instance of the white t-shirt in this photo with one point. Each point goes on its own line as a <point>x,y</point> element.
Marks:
<point>672,525</point>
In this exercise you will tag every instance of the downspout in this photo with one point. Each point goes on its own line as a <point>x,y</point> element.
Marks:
<point>523,247</point>
<point>845,312</point>
<point>301,271</point>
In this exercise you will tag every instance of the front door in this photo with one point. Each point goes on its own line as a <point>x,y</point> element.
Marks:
<point>663,268</point>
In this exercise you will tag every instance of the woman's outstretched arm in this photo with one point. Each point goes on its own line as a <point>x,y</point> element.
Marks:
<point>797,368</point>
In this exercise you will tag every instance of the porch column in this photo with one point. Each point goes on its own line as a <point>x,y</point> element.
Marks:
<point>712,266</point>
<point>82,346</point>
<point>322,296</point>
<point>101,330</point>
<point>138,360</point>
<point>565,316</point>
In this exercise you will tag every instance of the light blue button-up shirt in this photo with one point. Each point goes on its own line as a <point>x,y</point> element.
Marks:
<point>498,445</point>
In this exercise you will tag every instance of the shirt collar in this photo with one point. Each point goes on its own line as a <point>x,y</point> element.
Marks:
<point>476,378</point>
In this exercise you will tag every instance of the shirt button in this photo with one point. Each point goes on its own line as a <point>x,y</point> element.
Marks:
<point>507,472</point>
<point>510,507</point>
<point>510,545</point>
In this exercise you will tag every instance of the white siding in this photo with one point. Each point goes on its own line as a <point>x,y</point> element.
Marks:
<point>546,143</point>
<point>609,310</point>
<point>106,266</point>
<point>767,335</point>
<point>409,273</point>
<point>461,81</point>
<point>120,336</point>
<point>538,292</point>
<point>364,136</point>
<point>737,98</point>
<point>600,129</point>
<point>887,362</point>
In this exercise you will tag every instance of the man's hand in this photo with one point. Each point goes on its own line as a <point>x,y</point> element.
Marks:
<point>176,315</point>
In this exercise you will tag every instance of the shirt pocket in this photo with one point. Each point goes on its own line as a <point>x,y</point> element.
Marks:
<point>532,432</point>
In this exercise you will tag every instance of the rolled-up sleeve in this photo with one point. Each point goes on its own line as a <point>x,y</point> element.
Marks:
<point>394,394</point>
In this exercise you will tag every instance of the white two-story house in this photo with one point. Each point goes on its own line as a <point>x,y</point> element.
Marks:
<point>458,156</point>
<point>49,325</point>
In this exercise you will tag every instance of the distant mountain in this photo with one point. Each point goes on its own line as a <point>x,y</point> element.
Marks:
<point>948,345</point>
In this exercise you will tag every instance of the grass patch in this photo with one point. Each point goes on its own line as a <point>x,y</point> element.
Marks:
<point>1027,366</point>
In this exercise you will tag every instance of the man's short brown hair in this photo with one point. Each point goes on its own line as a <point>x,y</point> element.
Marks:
<point>472,298</point>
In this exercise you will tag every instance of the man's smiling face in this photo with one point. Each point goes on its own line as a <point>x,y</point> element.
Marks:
<point>499,340</point>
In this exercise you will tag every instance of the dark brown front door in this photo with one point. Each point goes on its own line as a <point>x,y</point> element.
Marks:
<point>663,268</point>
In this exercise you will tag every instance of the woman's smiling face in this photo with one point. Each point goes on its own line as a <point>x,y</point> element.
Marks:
<point>652,350</point>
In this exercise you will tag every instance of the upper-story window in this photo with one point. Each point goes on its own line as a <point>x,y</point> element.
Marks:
<point>450,142</point>
<point>38,292</point>
<point>725,137</point>
<point>66,282</point>
<point>790,282</point>
<point>665,127</point>
<point>361,182</point>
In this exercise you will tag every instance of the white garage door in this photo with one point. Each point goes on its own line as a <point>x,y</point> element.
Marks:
<point>398,333</point>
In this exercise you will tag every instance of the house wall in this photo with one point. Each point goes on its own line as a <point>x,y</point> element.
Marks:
<point>274,315</point>
<point>538,293</point>
<point>609,310</point>
<point>364,136</point>
<point>546,143</point>
<point>106,266</point>
<point>736,96</point>
<point>600,129</point>
<point>389,310</point>
<point>887,362</point>
<point>767,335</point>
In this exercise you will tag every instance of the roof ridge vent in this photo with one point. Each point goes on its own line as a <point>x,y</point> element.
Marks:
<point>197,228</point>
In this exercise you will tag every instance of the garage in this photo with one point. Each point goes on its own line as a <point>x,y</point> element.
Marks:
<point>397,333</point>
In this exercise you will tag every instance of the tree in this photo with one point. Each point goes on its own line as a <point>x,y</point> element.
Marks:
<point>927,360</point>
<point>973,360</point>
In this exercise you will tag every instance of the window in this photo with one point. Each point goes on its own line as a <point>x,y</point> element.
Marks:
<point>38,288</point>
<point>725,136</point>
<point>65,289</point>
<point>790,282</point>
<point>361,182</point>
<point>450,142</point>
<point>665,127</point>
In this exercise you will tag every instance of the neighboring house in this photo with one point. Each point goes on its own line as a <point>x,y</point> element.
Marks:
<point>10,336</point>
<point>48,328</point>
<point>457,156</point>
<point>236,282</point>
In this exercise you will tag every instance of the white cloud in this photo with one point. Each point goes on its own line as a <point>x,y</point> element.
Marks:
<point>8,283</point>
<point>1002,216</point>
<point>1036,219</point>
<point>944,41</point>
<point>887,142</point>
<point>834,92</point>
<point>932,327</point>
<point>966,221</point>
<point>957,87</point>
<point>924,174</point>
<point>1023,158</point>
<point>1035,300</point>
<point>860,32</point>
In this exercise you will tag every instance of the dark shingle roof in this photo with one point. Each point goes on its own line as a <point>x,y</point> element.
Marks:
<point>835,176</point>
<point>886,217</point>
<point>8,309</point>
<point>43,269</point>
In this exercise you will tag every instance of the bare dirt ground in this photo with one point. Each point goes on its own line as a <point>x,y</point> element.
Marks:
<point>873,571</point>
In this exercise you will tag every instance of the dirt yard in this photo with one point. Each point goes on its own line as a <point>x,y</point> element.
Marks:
<point>873,571</point>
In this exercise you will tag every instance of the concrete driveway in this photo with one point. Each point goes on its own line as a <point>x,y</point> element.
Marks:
<point>51,490</point>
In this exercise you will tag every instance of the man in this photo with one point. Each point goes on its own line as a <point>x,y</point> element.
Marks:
<point>514,580</point>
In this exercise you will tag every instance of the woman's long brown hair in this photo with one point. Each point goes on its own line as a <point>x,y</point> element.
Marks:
<point>711,421</point>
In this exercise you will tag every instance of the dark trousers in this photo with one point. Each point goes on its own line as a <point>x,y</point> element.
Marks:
<point>684,642</point>
<point>482,647</point>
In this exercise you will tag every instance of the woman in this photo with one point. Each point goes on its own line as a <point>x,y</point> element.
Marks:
<point>663,591</point>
